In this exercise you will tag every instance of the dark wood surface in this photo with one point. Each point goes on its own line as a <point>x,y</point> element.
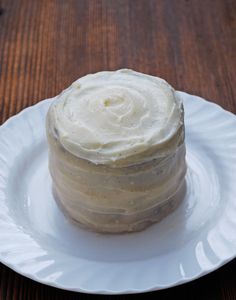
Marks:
<point>46,44</point>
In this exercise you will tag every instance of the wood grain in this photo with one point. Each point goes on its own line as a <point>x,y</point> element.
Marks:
<point>46,44</point>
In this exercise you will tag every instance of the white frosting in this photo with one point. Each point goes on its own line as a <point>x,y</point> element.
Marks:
<point>109,117</point>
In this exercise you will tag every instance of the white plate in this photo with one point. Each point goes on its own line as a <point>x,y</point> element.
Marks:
<point>36,240</point>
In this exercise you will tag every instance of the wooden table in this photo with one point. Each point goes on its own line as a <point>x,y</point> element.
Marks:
<point>46,44</point>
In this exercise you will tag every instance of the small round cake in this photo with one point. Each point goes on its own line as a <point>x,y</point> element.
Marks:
<point>116,150</point>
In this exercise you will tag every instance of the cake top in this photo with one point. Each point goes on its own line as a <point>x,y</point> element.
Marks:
<point>114,117</point>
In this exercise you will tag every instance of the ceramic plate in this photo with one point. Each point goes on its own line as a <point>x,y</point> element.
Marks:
<point>37,241</point>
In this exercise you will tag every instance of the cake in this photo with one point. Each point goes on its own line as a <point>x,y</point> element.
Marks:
<point>116,150</point>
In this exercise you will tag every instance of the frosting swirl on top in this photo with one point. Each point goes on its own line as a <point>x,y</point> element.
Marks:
<point>116,116</point>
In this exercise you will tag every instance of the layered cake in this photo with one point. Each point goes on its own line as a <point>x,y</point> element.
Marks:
<point>116,150</point>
